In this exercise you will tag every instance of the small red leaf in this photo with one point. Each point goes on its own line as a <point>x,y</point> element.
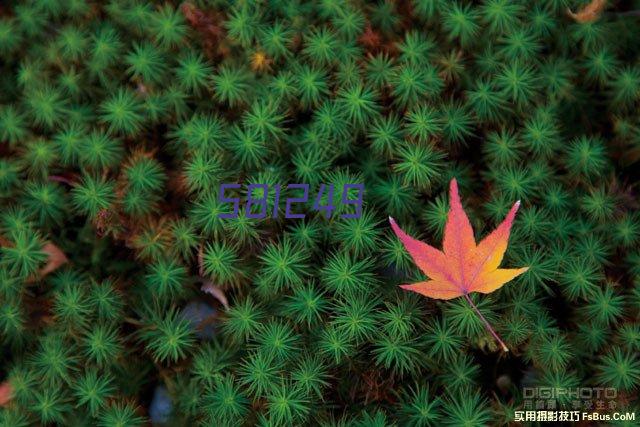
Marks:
<point>6,393</point>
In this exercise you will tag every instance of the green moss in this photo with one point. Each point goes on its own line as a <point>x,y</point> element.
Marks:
<point>119,120</point>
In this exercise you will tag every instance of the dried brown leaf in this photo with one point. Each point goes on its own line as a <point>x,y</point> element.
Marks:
<point>56,258</point>
<point>589,13</point>
<point>211,289</point>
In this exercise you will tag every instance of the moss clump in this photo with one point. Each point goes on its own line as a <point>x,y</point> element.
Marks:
<point>119,121</point>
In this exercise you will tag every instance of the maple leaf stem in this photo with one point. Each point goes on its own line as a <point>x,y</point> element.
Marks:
<point>486,323</point>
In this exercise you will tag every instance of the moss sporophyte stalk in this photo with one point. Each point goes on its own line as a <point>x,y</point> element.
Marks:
<point>195,204</point>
